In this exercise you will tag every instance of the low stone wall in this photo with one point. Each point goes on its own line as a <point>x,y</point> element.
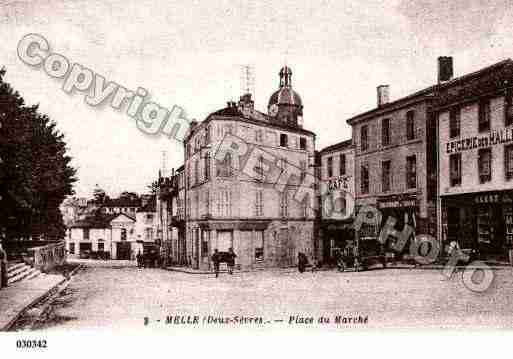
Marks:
<point>47,257</point>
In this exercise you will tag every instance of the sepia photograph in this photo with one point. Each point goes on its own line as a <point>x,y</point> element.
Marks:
<point>298,167</point>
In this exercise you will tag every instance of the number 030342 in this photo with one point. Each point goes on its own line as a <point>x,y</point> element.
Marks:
<point>31,344</point>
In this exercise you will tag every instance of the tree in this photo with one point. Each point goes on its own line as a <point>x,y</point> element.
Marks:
<point>153,187</point>
<point>35,171</point>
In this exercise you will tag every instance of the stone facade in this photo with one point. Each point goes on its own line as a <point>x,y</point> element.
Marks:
<point>260,216</point>
<point>475,117</point>
<point>395,166</point>
<point>337,194</point>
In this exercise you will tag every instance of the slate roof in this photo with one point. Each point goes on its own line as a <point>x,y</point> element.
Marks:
<point>337,146</point>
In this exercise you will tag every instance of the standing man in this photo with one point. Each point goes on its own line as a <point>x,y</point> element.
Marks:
<point>3,267</point>
<point>139,259</point>
<point>231,260</point>
<point>215,261</point>
<point>302,262</point>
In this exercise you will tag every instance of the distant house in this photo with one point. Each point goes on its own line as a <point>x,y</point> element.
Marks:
<point>114,234</point>
<point>75,208</point>
<point>146,223</point>
<point>125,205</point>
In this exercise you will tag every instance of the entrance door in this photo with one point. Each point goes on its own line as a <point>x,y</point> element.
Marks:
<point>85,250</point>
<point>286,248</point>
<point>123,250</point>
<point>224,240</point>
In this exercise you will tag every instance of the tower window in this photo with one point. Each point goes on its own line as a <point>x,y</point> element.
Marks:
<point>196,172</point>
<point>385,132</point>
<point>385,175</point>
<point>363,138</point>
<point>329,167</point>
<point>342,164</point>
<point>364,180</point>
<point>207,166</point>
<point>455,169</point>
<point>454,122</point>
<point>284,140</point>
<point>485,164</point>
<point>484,115</point>
<point>207,135</point>
<point>411,172</point>
<point>410,125</point>
<point>302,143</point>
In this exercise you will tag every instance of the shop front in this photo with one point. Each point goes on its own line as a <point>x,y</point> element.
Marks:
<point>480,221</point>
<point>336,235</point>
<point>404,209</point>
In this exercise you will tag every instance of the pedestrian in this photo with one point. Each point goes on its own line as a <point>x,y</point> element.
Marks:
<point>302,262</point>
<point>139,259</point>
<point>3,267</point>
<point>231,260</point>
<point>215,261</point>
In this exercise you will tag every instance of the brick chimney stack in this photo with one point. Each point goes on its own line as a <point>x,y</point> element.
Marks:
<point>445,69</point>
<point>383,95</point>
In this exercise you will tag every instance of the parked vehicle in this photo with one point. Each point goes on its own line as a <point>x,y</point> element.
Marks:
<point>361,254</point>
<point>151,256</point>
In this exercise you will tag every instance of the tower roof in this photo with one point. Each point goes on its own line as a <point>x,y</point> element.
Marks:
<point>285,94</point>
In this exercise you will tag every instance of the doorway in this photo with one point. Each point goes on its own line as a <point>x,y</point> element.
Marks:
<point>123,251</point>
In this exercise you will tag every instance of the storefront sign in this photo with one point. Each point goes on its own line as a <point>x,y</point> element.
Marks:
<point>495,137</point>
<point>397,202</point>
<point>341,182</point>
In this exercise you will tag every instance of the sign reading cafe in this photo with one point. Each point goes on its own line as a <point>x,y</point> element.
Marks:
<point>341,182</point>
<point>495,137</point>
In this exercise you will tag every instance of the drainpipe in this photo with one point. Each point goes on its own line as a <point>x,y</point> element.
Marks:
<point>438,198</point>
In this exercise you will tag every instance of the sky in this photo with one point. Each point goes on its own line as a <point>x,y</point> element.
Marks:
<point>190,54</point>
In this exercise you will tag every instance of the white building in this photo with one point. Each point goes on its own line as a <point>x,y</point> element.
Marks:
<point>116,235</point>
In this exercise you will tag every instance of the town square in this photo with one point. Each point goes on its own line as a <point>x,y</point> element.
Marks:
<point>275,167</point>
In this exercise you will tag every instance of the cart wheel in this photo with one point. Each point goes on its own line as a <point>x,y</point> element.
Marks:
<point>341,266</point>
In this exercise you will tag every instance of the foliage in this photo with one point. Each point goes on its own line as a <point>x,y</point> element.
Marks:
<point>35,170</point>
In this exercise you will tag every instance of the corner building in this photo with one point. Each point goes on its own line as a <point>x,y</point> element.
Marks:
<point>226,208</point>
<point>475,118</point>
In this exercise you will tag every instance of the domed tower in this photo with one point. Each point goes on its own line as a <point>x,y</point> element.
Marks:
<point>285,105</point>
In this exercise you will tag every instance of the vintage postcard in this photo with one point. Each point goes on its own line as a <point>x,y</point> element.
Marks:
<point>279,166</point>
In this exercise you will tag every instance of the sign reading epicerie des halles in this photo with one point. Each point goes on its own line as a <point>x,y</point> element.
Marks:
<point>495,137</point>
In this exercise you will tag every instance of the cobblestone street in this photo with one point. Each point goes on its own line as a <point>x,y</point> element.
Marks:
<point>122,296</point>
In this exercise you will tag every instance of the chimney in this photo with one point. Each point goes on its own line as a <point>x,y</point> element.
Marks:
<point>383,92</point>
<point>445,70</point>
<point>246,104</point>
